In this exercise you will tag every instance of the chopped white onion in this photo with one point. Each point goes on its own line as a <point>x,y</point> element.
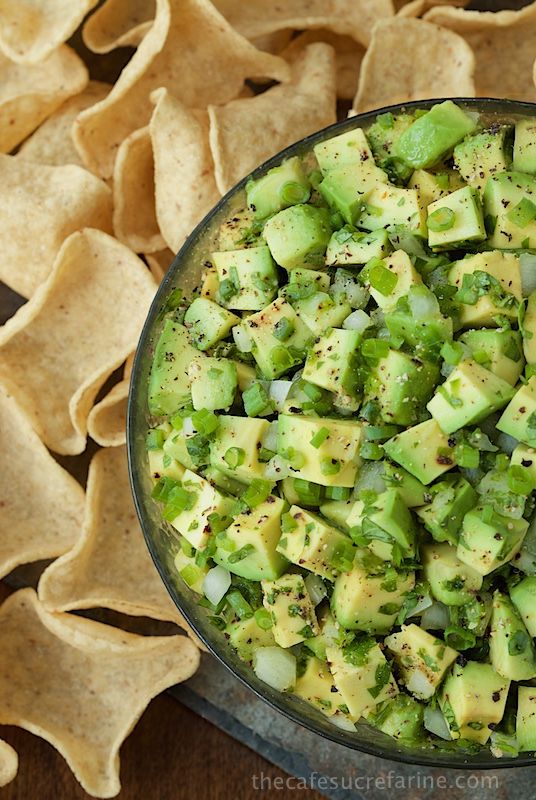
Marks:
<point>436,617</point>
<point>277,468</point>
<point>507,443</point>
<point>358,321</point>
<point>434,721</point>
<point>419,685</point>
<point>270,439</point>
<point>423,304</point>
<point>188,428</point>
<point>342,722</point>
<point>527,266</point>
<point>217,581</point>
<point>370,476</point>
<point>278,391</point>
<point>422,604</point>
<point>276,667</point>
<point>242,339</point>
<point>316,588</point>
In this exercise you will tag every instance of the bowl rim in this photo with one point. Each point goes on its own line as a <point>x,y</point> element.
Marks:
<point>438,758</point>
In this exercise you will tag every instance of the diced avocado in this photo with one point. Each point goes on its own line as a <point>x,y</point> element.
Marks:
<point>469,394</point>
<point>390,205</point>
<point>483,154</point>
<point>273,354</point>
<point>169,384</point>
<point>210,284</point>
<point>423,450</point>
<point>383,135</point>
<point>451,499</point>
<point>401,718</point>
<point>191,573</point>
<point>402,386</point>
<point>162,465</point>
<point>387,527</point>
<point>213,383</point>
<point>498,350</point>
<point>349,246</point>
<point>207,322</point>
<point>343,150</point>
<point>525,147</point>
<point>302,276</point>
<point>388,289</point>
<point>310,543</point>
<point>369,602</point>
<point>473,700</point>
<point>315,685</point>
<point>510,210</point>
<point>246,636</point>
<point>248,546</point>
<point>422,659</point>
<point>175,447</point>
<point>492,282</point>
<point>245,375</point>
<point>223,481</point>
<point>433,135</point>
<point>193,522</point>
<point>528,329</point>
<point>519,417</point>
<point>334,461</point>
<point>337,511</point>
<point>292,610</point>
<point>320,311</point>
<point>411,490</point>
<point>488,540</point>
<point>346,189</point>
<point>456,219</point>
<point>278,189</point>
<point>245,434</point>
<point>331,363</point>
<point>511,649</point>
<point>425,334</point>
<point>432,186</point>
<point>236,231</point>
<point>247,278</point>
<point>525,456</point>
<point>451,581</point>
<point>526,718</point>
<point>523,596</point>
<point>362,675</point>
<point>298,236</point>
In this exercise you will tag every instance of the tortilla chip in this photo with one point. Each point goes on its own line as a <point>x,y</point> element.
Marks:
<point>39,207</point>
<point>32,29</point>
<point>159,263</point>
<point>82,685</point>
<point>273,42</point>
<point>81,324</point>
<point>433,63</point>
<point>504,44</point>
<point>107,419</point>
<point>118,23</point>
<point>182,158</point>
<point>9,763</point>
<point>190,50</point>
<point>38,518</point>
<point>348,57</point>
<point>29,93</point>
<point>355,18</point>
<point>416,8</point>
<point>52,142</point>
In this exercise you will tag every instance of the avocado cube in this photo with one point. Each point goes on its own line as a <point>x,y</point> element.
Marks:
<point>267,195</point>
<point>511,649</point>
<point>391,205</point>
<point>257,531</point>
<point>412,491</point>
<point>349,246</point>
<point>510,210</point>
<point>337,511</point>
<point>466,220</point>
<point>207,322</point>
<point>432,186</point>
<point>210,284</point>
<point>169,384</point>
<point>519,417</point>
<point>298,236</point>
<point>193,523</point>
<point>346,189</point>
<point>246,434</point>
<point>320,312</point>
<point>274,355</point>
<point>192,574</point>
<point>251,276</point>
<point>525,456</point>
<point>504,268</point>
<point>426,335</point>
<point>473,699</point>
<point>451,581</point>
<point>451,499</point>
<point>526,718</point>
<point>315,685</point>
<point>346,149</point>
<point>314,545</point>
<point>423,450</point>
<point>523,596</point>
<point>291,608</point>
<point>366,602</point>
<point>483,154</point>
<point>234,231</point>
<point>362,675</point>
<point>303,276</point>
<point>175,447</point>
<point>401,385</point>
<point>401,718</point>
<point>422,659</point>
<point>387,526</point>
<point>433,135</point>
<point>162,465</point>
<point>246,636</point>
<point>383,136</point>
<point>469,394</point>
<point>524,159</point>
<point>331,363</point>
<point>213,383</point>
<point>334,461</point>
<point>403,276</point>
<point>486,545</point>
<point>498,350</point>
<point>528,329</point>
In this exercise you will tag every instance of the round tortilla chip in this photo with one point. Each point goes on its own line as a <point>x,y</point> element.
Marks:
<point>40,206</point>
<point>52,142</point>
<point>273,42</point>
<point>134,194</point>
<point>434,62</point>
<point>32,29</point>
<point>504,44</point>
<point>81,324</point>
<point>82,685</point>
<point>38,518</point>
<point>416,8</point>
<point>190,50</point>
<point>9,763</point>
<point>29,93</point>
<point>182,158</point>
<point>107,419</point>
<point>159,263</point>
<point>118,23</point>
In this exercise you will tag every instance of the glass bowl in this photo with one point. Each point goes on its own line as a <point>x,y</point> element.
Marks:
<point>185,272</point>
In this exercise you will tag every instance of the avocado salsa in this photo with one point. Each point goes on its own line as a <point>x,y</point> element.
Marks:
<point>343,434</point>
